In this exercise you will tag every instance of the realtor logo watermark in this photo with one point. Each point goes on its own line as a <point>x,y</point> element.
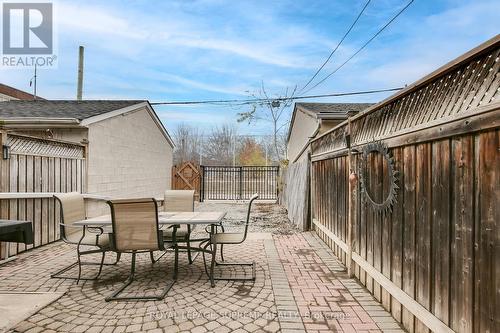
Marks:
<point>28,35</point>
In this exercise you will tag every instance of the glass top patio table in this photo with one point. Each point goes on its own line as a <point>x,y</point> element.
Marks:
<point>192,218</point>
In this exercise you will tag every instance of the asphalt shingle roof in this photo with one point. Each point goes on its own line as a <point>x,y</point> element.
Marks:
<point>325,109</point>
<point>61,109</point>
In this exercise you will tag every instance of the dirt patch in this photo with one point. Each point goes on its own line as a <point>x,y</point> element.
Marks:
<point>264,217</point>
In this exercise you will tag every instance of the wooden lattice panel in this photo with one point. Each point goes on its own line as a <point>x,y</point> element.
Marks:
<point>474,83</point>
<point>334,140</point>
<point>24,145</point>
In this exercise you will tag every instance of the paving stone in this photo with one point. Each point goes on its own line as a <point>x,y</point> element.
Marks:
<point>295,279</point>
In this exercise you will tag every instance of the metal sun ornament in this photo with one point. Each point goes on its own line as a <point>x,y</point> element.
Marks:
<point>386,205</point>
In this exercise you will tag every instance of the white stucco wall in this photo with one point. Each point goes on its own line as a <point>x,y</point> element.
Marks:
<point>303,127</point>
<point>128,156</point>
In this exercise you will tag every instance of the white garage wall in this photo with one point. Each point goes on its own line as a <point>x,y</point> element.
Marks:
<point>128,157</point>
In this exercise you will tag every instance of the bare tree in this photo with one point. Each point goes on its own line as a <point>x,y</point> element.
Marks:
<point>188,143</point>
<point>273,110</point>
<point>220,145</point>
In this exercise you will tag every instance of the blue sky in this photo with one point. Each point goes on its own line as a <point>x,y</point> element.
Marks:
<point>211,49</point>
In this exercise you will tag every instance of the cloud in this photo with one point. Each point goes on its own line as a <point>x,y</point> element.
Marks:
<point>148,30</point>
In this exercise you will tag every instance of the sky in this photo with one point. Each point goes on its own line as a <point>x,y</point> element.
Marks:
<point>181,50</point>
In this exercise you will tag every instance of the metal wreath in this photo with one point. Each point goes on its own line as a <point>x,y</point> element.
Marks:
<point>390,200</point>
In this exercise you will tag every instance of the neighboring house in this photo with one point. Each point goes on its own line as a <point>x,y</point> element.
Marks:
<point>128,150</point>
<point>312,119</point>
<point>308,121</point>
<point>8,93</point>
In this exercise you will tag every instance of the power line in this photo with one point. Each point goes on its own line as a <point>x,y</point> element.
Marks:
<point>336,47</point>
<point>257,100</point>
<point>362,47</point>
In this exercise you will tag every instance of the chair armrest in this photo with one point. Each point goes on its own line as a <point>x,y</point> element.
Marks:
<point>96,230</point>
<point>208,228</point>
<point>93,229</point>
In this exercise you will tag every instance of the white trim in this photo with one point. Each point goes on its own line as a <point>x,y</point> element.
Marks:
<point>39,122</point>
<point>160,124</point>
<point>111,114</point>
<point>131,109</point>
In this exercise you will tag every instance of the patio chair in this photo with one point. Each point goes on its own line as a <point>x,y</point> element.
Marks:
<point>72,209</point>
<point>180,201</point>
<point>229,238</point>
<point>136,230</point>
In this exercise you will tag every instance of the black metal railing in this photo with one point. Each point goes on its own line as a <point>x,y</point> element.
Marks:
<point>239,182</point>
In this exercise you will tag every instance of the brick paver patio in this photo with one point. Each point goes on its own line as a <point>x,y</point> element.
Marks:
<point>300,287</point>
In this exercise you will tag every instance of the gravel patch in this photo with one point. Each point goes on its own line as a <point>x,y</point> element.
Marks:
<point>264,217</point>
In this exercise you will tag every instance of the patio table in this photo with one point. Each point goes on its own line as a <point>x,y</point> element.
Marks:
<point>170,218</point>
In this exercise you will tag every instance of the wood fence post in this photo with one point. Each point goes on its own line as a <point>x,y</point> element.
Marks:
<point>4,187</point>
<point>350,211</point>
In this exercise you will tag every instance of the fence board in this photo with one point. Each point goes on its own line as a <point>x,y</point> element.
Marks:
<point>487,289</point>
<point>441,228</point>
<point>396,252</point>
<point>440,244</point>
<point>462,211</point>
<point>30,170</point>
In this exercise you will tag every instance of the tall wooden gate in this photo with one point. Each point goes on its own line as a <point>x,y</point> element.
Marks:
<point>239,182</point>
<point>187,176</point>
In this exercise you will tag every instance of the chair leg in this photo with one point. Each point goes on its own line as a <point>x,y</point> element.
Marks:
<point>212,265</point>
<point>188,245</point>
<point>79,266</point>
<point>176,262</point>
<point>100,267</point>
<point>204,260</point>
<point>129,280</point>
<point>153,260</point>
<point>222,245</point>
<point>252,264</point>
<point>79,262</point>
<point>152,257</point>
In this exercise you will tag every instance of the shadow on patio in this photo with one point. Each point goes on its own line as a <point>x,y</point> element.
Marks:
<point>299,286</point>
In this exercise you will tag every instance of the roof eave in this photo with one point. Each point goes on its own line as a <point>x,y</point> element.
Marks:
<point>39,122</point>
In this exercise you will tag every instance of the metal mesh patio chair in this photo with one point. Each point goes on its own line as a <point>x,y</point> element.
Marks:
<point>136,230</point>
<point>180,201</point>
<point>72,209</point>
<point>227,238</point>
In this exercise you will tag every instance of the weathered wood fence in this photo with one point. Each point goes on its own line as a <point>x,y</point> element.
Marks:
<point>187,176</point>
<point>434,261</point>
<point>38,165</point>
<point>295,193</point>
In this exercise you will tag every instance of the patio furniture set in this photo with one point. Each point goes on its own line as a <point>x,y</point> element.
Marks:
<point>138,226</point>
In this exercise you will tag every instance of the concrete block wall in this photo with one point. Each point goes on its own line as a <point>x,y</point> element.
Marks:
<point>128,157</point>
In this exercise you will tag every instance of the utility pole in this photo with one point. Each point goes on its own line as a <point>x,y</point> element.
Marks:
<point>33,82</point>
<point>265,145</point>
<point>80,74</point>
<point>234,151</point>
<point>200,150</point>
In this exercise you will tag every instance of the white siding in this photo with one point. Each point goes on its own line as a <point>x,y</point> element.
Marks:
<point>303,127</point>
<point>128,157</point>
